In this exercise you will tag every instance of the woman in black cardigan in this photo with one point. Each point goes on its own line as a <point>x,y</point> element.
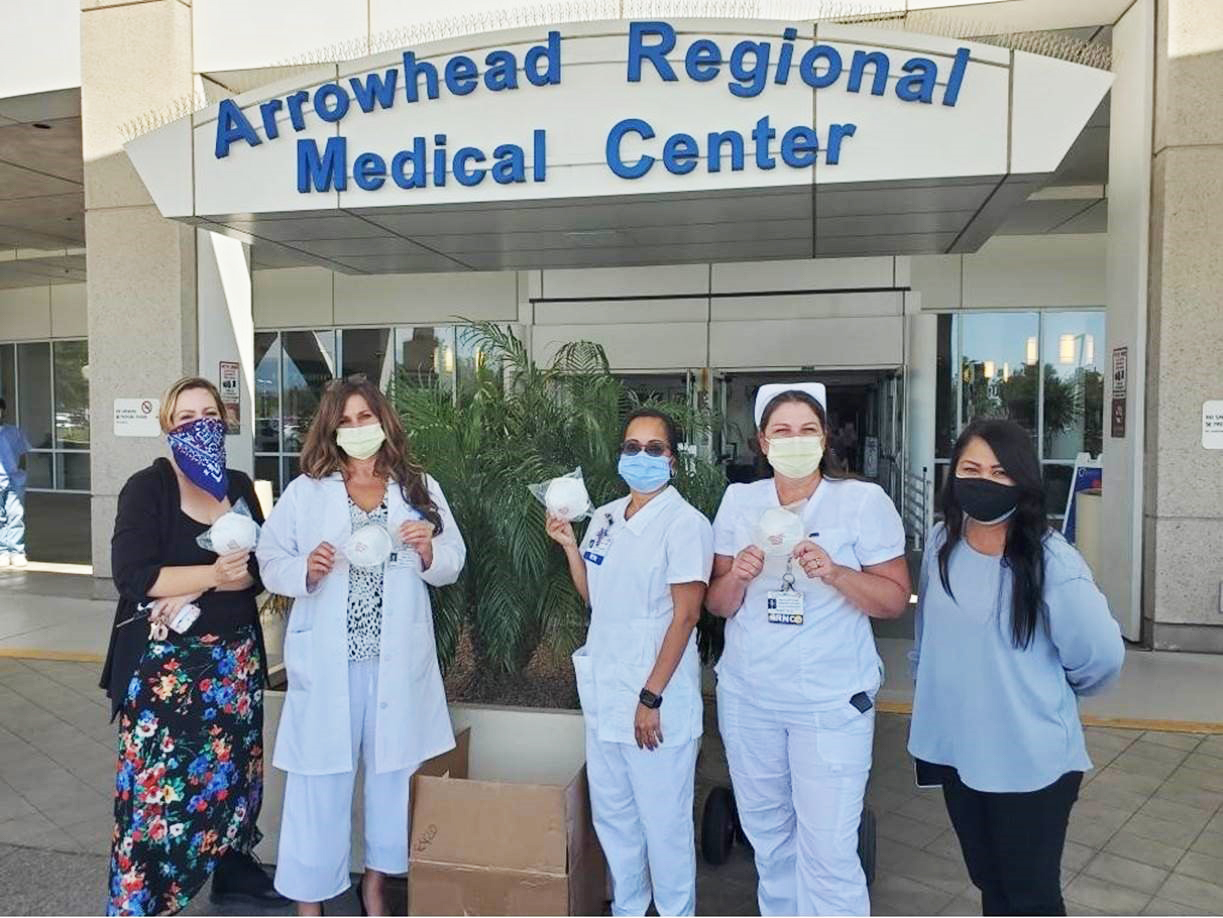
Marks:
<point>189,779</point>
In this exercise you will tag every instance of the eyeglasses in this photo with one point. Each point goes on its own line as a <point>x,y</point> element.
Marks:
<point>654,448</point>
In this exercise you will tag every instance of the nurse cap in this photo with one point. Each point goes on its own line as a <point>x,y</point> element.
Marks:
<point>768,392</point>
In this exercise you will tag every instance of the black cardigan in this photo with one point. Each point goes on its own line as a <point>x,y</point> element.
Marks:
<point>143,526</point>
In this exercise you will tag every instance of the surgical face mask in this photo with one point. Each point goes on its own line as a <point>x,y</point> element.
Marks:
<point>986,501</point>
<point>796,457</point>
<point>360,442</point>
<point>644,473</point>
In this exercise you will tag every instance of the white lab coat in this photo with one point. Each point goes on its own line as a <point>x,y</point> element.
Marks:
<point>414,723</point>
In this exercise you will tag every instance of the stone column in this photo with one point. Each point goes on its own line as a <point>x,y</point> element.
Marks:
<point>1184,482</point>
<point>135,58</point>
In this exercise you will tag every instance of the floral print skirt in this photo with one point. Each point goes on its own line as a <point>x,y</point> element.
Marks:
<point>190,775</point>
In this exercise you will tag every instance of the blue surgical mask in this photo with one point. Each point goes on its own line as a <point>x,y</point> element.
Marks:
<point>643,473</point>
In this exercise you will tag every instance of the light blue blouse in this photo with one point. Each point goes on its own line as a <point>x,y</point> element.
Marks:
<point>1007,719</point>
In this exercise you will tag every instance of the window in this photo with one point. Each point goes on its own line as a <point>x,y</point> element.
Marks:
<point>293,367</point>
<point>1043,370</point>
<point>46,387</point>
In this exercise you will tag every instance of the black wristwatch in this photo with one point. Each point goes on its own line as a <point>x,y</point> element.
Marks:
<point>650,700</point>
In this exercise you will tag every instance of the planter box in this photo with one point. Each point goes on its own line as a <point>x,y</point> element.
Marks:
<point>510,834</point>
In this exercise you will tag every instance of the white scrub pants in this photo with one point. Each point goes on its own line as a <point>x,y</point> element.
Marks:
<point>641,801</point>
<point>315,829</point>
<point>799,783</point>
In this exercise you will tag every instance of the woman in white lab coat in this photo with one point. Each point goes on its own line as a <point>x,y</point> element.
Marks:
<point>643,566</point>
<point>802,561</point>
<point>359,649</point>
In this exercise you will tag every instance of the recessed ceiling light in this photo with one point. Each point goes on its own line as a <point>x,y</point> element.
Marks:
<point>41,126</point>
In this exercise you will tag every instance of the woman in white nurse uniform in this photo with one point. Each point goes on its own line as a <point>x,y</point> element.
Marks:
<point>359,647</point>
<point>798,677</point>
<point>643,567</point>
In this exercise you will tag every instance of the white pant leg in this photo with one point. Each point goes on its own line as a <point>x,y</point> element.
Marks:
<point>663,787</point>
<point>614,811</point>
<point>830,760</point>
<point>316,823</point>
<point>385,797</point>
<point>756,751</point>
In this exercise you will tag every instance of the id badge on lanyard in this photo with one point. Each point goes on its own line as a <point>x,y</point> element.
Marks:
<point>785,606</point>
<point>598,544</point>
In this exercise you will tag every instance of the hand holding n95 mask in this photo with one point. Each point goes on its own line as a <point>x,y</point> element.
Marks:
<point>368,546</point>
<point>778,532</point>
<point>232,532</point>
<point>564,497</point>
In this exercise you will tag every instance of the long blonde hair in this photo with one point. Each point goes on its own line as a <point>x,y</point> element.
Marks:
<point>321,454</point>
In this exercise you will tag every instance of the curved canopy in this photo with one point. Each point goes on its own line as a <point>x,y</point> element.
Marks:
<point>618,143</point>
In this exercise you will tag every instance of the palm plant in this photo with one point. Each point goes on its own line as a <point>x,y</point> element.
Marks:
<point>516,423</point>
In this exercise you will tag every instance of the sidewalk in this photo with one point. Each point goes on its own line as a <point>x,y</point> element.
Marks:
<point>1145,838</point>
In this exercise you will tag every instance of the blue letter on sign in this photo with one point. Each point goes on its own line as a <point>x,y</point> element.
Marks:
<point>232,125</point>
<point>618,166</point>
<point>369,171</point>
<point>656,54</point>
<point>325,172</point>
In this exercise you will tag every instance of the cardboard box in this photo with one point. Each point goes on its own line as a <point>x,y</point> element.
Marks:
<point>506,833</point>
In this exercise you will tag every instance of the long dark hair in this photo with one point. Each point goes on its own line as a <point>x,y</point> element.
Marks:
<point>1024,553</point>
<point>321,454</point>
<point>829,467</point>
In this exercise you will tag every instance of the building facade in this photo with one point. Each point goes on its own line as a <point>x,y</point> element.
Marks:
<point>941,209</point>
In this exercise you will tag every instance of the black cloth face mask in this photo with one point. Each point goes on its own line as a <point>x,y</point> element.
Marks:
<point>986,501</point>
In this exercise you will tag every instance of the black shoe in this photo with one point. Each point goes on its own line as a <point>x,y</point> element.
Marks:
<point>239,878</point>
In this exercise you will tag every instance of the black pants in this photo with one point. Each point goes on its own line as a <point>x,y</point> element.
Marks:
<point>1013,843</point>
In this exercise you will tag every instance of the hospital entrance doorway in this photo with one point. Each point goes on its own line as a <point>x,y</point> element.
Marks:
<point>865,422</point>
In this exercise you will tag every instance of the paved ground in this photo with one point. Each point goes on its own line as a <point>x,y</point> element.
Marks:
<point>1147,837</point>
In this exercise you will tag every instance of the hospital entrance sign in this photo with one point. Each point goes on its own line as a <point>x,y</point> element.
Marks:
<point>677,110</point>
<point>746,70</point>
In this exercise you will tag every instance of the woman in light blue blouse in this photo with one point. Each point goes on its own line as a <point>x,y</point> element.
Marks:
<point>1010,631</point>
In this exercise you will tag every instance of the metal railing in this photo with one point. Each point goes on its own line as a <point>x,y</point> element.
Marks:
<point>915,504</point>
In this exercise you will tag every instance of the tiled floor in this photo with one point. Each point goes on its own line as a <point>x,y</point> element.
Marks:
<point>1146,838</point>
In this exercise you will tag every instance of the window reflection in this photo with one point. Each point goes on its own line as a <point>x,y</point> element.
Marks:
<point>309,364</point>
<point>1073,352</point>
<point>267,468</point>
<point>34,397</point>
<point>1057,488</point>
<point>367,351</point>
<point>426,355</point>
<point>72,401</point>
<point>38,470</point>
<point>72,471</point>
<point>267,393</point>
<point>8,380</point>
<point>999,368</point>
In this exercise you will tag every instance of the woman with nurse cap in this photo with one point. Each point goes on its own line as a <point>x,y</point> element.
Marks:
<point>802,561</point>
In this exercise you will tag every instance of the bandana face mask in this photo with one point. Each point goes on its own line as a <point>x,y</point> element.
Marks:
<point>199,452</point>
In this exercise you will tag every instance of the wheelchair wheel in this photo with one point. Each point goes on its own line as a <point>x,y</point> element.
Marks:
<point>866,844</point>
<point>718,826</point>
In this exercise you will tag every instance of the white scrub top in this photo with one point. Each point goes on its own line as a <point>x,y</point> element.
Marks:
<point>630,568</point>
<point>831,656</point>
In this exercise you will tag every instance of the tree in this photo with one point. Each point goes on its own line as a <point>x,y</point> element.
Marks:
<point>513,424</point>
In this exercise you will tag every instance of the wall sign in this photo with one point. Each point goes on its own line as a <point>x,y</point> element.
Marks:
<point>1121,363</point>
<point>632,147</point>
<point>1212,424</point>
<point>137,417</point>
<point>231,395</point>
